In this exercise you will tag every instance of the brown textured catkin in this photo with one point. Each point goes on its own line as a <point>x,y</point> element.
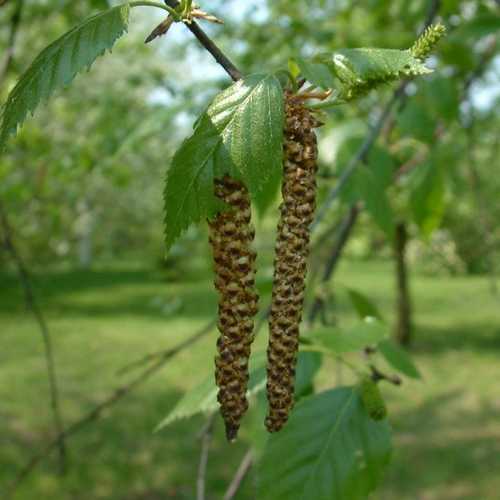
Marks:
<point>292,248</point>
<point>231,235</point>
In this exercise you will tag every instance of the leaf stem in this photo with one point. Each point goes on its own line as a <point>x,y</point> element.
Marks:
<point>146,3</point>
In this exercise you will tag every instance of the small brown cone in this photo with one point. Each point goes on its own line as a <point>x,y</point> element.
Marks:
<point>292,248</point>
<point>231,236</point>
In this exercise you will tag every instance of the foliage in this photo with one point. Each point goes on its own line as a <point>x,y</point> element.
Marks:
<point>334,450</point>
<point>240,134</point>
<point>58,64</point>
<point>422,171</point>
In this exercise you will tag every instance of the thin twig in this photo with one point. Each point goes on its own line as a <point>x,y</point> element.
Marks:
<point>15,21</point>
<point>343,234</point>
<point>96,412</point>
<point>241,473</point>
<point>361,155</point>
<point>160,354</point>
<point>210,46</point>
<point>206,440</point>
<point>32,305</point>
<point>377,376</point>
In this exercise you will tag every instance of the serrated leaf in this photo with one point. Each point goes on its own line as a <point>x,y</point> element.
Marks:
<point>399,359</point>
<point>363,305</point>
<point>203,398</point>
<point>240,134</point>
<point>369,331</point>
<point>58,64</point>
<point>360,70</point>
<point>316,73</point>
<point>374,65</point>
<point>329,450</point>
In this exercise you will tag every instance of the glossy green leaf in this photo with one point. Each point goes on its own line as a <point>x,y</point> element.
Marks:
<point>330,449</point>
<point>58,64</point>
<point>363,305</point>
<point>399,359</point>
<point>240,134</point>
<point>369,331</point>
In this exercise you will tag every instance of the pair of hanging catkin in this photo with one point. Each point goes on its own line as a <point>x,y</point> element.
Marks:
<point>231,235</point>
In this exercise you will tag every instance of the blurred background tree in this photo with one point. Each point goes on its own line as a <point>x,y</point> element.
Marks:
<point>82,184</point>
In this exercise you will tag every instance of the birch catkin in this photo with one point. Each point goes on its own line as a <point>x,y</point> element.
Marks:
<point>292,248</point>
<point>231,236</point>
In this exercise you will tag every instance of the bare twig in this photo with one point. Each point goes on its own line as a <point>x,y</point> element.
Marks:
<point>15,21</point>
<point>206,440</point>
<point>377,376</point>
<point>160,354</point>
<point>241,473</point>
<point>361,155</point>
<point>32,305</point>
<point>96,412</point>
<point>343,234</point>
<point>210,46</point>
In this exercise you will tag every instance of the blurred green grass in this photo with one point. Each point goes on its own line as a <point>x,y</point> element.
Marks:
<point>447,427</point>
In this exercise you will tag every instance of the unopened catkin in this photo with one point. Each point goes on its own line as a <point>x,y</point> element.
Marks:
<point>372,399</point>
<point>292,248</point>
<point>231,236</point>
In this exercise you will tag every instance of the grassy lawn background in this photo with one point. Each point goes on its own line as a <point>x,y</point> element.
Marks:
<point>447,427</point>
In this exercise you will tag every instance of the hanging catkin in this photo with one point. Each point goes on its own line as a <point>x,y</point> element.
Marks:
<point>292,248</point>
<point>231,235</point>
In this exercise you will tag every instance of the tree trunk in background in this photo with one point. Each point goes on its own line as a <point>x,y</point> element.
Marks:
<point>403,330</point>
<point>84,229</point>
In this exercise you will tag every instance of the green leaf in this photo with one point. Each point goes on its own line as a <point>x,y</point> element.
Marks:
<point>416,121</point>
<point>240,134</point>
<point>203,398</point>
<point>58,64</point>
<point>370,331</point>
<point>308,364</point>
<point>427,198</point>
<point>376,201</point>
<point>399,359</point>
<point>360,70</point>
<point>316,73</point>
<point>363,305</point>
<point>479,26</point>
<point>329,450</point>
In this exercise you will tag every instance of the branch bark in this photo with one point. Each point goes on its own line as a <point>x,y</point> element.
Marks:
<point>344,233</point>
<point>210,46</point>
<point>403,329</point>
<point>96,412</point>
<point>32,305</point>
<point>241,473</point>
<point>15,21</point>
<point>206,440</point>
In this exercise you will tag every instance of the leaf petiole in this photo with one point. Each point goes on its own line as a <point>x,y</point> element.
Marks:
<point>146,3</point>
